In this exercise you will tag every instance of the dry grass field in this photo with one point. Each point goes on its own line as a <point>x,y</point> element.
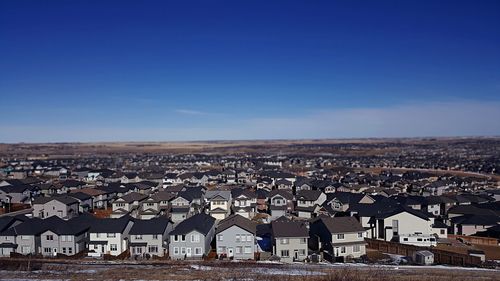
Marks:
<point>238,271</point>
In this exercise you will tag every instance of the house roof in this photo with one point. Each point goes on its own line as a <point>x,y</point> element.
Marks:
<point>108,225</point>
<point>61,227</point>
<point>309,195</point>
<point>202,223</point>
<point>342,224</point>
<point>289,229</point>
<point>132,197</point>
<point>237,220</point>
<point>151,226</point>
<point>163,196</point>
<point>65,199</point>
<point>214,194</point>
<point>283,193</point>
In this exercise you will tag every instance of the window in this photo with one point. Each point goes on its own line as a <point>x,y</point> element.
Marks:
<point>442,231</point>
<point>249,237</point>
<point>340,236</point>
<point>24,237</point>
<point>342,250</point>
<point>183,251</point>
<point>238,238</point>
<point>285,253</point>
<point>97,235</point>
<point>419,239</point>
<point>138,237</point>
<point>356,248</point>
<point>360,234</point>
<point>405,239</point>
<point>248,250</point>
<point>69,238</point>
<point>153,249</point>
<point>197,251</point>
<point>176,250</point>
<point>284,241</point>
<point>195,238</point>
<point>47,250</point>
<point>303,240</point>
<point>70,251</point>
<point>64,250</point>
<point>63,238</point>
<point>183,238</point>
<point>111,235</point>
<point>239,249</point>
<point>113,247</point>
<point>50,237</point>
<point>302,252</point>
<point>155,236</point>
<point>220,237</point>
<point>176,238</point>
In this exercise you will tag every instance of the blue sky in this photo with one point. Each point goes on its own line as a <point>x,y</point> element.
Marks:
<point>198,70</point>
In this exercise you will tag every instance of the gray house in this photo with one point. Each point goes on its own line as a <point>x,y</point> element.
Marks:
<point>109,236</point>
<point>149,238</point>
<point>19,236</point>
<point>63,237</point>
<point>281,203</point>
<point>339,237</point>
<point>290,239</point>
<point>236,238</point>
<point>192,237</point>
<point>64,207</point>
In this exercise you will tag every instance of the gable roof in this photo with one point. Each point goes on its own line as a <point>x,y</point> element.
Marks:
<point>151,226</point>
<point>237,220</point>
<point>289,229</point>
<point>132,197</point>
<point>65,199</point>
<point>202,223</point>
<point>342,224</point>
<point>109,225</point>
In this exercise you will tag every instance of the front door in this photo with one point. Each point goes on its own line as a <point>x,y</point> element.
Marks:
<point>296,254</point>
<point>229,252</point>
<point>188,252</point>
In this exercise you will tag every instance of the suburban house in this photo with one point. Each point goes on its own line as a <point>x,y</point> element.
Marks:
<point>149,238</point>
<point>192,237</point>
<point>63,237</point>
<point>18,194</point>
<point>219,203</point>
<point>280,203</point>
<point>338,237</point>
<point>85,202</point>
<point>309,202</point>
<point>109,236</point>
<point>127,204</point>
<point>235,238</point>
<point>403,222</point>
<point>244,202</point>
<point>20,237</point>
<point>64,207</point>
<point>290,240</point>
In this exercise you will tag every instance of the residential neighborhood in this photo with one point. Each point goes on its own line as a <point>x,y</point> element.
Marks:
<point>298,208</point>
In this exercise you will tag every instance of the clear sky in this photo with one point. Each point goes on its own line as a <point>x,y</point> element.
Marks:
<point>202,70</point>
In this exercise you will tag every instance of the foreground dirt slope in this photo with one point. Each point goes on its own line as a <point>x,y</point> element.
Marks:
<point>237,271</point>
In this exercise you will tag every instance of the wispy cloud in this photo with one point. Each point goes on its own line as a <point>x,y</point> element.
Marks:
<point>190,112</point>
<point>452,118</point>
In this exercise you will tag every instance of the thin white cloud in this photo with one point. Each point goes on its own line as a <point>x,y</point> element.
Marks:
<point>454,118</point>
<point>189,112</point>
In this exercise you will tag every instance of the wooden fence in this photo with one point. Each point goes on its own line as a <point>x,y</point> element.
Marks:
<point>475,239</point>
<point>440,256</point>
